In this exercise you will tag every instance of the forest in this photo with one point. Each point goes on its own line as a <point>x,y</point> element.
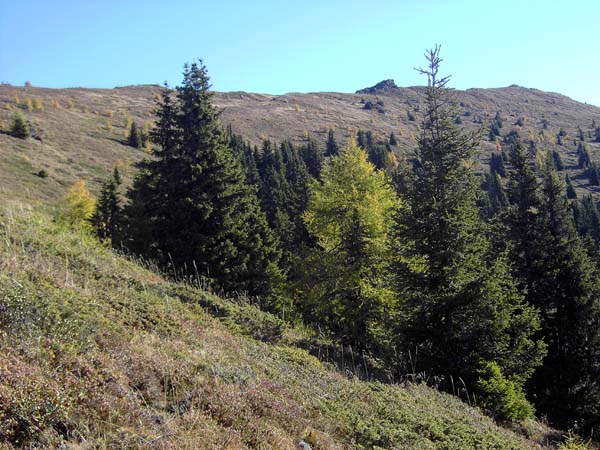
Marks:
<point>484,285</point>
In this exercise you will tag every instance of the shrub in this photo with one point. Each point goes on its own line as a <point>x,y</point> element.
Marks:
<point>38,104</point>
<point>574,443</point>
<point>42,174</point>
<point>19,127</point>
<point>503,397</point>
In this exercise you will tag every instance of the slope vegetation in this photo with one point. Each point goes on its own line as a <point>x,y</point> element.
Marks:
<point>99,351</point>
<point>82,131</point>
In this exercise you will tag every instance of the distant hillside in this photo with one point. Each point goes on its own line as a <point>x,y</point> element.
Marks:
<point>82,130</point>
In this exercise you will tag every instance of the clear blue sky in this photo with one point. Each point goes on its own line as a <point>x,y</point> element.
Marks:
<point>302,46</point>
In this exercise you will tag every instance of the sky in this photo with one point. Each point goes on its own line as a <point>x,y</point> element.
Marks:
<point>302,46</point>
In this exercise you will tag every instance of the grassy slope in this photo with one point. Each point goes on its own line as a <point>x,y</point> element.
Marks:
<point>99,352</point>
<point>76,143</point>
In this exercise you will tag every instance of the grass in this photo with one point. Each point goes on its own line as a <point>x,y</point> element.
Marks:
<point>97,351</point>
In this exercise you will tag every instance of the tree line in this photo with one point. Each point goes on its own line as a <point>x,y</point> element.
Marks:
<point>410,261</point>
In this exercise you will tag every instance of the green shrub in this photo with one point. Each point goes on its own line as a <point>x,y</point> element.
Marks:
<point>42,174</point>
<point>18,126</point>
<point>503,397</point>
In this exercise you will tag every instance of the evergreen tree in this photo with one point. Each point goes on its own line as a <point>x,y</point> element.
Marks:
<point>583,155</point>
<point>571,194</point>
<point>459,304</point>
<point>497,164</point>
<point>191,207</point>
<point>361,139</point>
<point>592,173</point>
<point>18,126</point>
<point>494,131</point>
<point>379,155</point>
<point>558,164</point>
<point>106,219</point>
<point>587,218</point>
<point>562,282</point>
<point>495,194</point>
<point>332,148</point>
<point>349,215</point>
<point>313,158</point>
<point>134,137</point>
<point>393,141</point>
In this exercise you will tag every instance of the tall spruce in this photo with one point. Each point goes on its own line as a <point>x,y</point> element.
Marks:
<point>191,207</point>
<point>459,305</point>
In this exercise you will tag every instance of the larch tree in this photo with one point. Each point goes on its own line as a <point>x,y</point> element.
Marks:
<point>345,276</point>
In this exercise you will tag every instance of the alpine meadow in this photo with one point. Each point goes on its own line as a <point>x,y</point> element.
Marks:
<point>395,268</point>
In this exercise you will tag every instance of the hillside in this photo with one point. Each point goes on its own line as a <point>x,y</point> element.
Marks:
<point>102,351</point>
<point>82,130</point>
<point>99,352</point>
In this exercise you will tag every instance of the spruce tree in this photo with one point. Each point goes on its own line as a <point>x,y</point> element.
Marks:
<point>593,175</point>
<point>313,158</point>
<point>562,282</point>
<point>459,305</point>
<point>392,140</point>
<point>106,219</point>
<point>331,148</point>
<point>571,194</point>
<point>497,164</point>
<point>134,137</point>
<point>191,207</point>
<point>558,164</point>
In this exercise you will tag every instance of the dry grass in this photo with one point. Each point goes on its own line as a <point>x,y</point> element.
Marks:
<point>99,352</point>
<point>85,137</point>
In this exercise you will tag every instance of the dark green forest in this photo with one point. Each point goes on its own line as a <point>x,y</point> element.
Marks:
<point>430,271</point>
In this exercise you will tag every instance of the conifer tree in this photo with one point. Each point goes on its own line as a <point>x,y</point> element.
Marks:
<point>133,140</point>
<point>587,218</point>
<point>583,155</point>
<point>106,219</point>
<point>459,305</point>
<point>563,285</point>
<point>571,194</point>
<point>332,148</point>
<point>495,193</point>
<point>313,158</point>
<point>497,164</point>
<point>345,276</point>
<point>191,206</point>
<point>593,175</point>
<point>558,164</point>
<point>18,126</point>
<point>393,141</point>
